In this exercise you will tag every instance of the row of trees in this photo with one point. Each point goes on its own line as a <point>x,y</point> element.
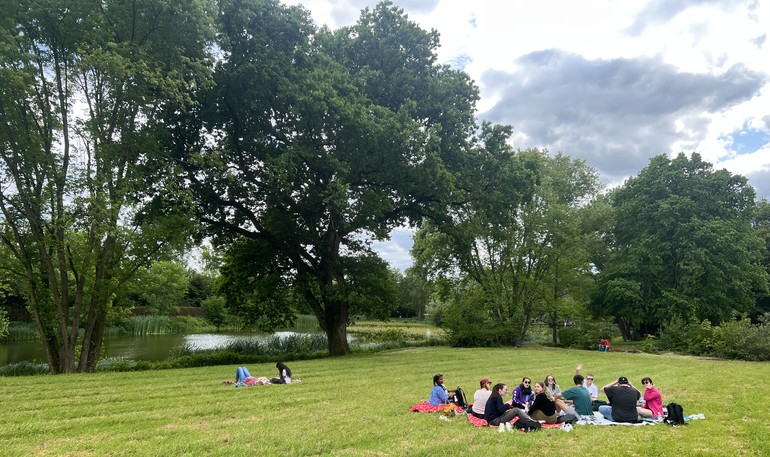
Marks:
<point>125,125</point>
<point>132,129</point>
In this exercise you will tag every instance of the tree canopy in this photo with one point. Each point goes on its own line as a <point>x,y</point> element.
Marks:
<point>86,89</point>
<point>317,141</point>
<point>684,246</point>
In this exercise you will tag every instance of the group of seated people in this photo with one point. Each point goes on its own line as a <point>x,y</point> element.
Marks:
<point>546,402</point>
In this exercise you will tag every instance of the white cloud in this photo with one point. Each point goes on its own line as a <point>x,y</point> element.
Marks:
<point>612,82</point>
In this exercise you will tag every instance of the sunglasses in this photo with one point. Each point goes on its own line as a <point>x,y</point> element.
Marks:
<point>590,379</point>
<point>646,382</point>
<point>526,382</point>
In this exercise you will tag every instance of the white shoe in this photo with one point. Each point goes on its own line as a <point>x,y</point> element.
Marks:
<point>501,428</point>
<point>509,426</point>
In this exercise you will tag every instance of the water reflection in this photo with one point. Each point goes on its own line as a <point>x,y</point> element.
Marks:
<point>145,347</point>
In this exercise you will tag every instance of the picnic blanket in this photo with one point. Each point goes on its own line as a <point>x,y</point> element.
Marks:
<point>426,407</point>
<point>477,422</point>
<point>598,419</point>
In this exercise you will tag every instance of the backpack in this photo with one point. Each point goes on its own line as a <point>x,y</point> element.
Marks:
<point>459,398</point>
<point>675,414</point>
<point>527,425</point>
<point>566,418</point>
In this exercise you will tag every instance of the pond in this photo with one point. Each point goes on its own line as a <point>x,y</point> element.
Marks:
<point>146,347</point>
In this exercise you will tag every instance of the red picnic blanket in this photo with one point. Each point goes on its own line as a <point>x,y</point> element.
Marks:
<point>426,407</point>
<point>482,423</point>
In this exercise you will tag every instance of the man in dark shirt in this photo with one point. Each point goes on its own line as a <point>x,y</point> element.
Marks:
<point>623,397</point>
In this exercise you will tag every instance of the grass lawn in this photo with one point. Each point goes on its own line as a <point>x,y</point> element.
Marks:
<point>358,406</point>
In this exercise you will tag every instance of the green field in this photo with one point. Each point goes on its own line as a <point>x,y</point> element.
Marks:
<point>358,406</point>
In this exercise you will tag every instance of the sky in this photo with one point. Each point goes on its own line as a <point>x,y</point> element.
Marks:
<point>611,82</point>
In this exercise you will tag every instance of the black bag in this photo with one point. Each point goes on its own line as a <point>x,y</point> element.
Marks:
<point>527,425</point>
<point>459,398</point>
<point>566,418</point>
<point>675,414</point>
<point>597,403</point>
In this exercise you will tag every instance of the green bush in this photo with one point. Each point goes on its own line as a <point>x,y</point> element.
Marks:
<point>25,369</point>
<point>586,335</point>
<point>734,339</point>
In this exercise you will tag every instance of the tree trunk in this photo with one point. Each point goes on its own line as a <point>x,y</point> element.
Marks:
<point>337,328</point>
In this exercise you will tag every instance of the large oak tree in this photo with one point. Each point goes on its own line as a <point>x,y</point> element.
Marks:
<point>317,140</point>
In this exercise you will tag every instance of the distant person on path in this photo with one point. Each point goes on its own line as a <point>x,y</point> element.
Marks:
<point>438,396</point>
<point>604,345</point>
<point>579,397</point>
<point>523,395</point>
<point>284,374</point>
<point>480,398</point>
<point>543,407</point>
<point>653,402</point>
<point>496,412</point>
<point>623,397</point>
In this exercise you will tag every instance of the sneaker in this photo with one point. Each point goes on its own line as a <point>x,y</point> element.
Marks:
<point>501,428</point>
<point>509,426</point>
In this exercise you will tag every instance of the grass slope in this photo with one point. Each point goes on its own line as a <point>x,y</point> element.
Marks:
<point>358,406</point>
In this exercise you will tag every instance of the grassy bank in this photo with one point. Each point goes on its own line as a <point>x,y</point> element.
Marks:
<point>358,406</point>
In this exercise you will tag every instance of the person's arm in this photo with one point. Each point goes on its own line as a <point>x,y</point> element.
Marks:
<point>578,368</point>
<point>612,383</point>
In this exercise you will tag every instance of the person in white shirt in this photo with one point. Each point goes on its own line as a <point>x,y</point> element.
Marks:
<point>480,398</point>
<point>592,389</point>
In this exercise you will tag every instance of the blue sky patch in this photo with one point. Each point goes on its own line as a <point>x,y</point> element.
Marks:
<point>748,140</point>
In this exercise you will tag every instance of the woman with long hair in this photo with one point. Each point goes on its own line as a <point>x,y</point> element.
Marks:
<point>284,374</point>
<point>438,396</point>
<point>544,407</point>
<point>496,412</point>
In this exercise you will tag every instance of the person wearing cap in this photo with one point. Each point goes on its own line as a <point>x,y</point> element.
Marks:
<point>480,398</point>
<point>623,397</point>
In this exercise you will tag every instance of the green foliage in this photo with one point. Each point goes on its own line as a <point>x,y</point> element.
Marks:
<point>25,369</point>
<point>323,141</point>
<point>522,236</point>
<point>214,310</point>
<point>4,323</point>
<point>734,339</point>
<point>586,335</point>
<point>683,247</point>
<point>87,93</point>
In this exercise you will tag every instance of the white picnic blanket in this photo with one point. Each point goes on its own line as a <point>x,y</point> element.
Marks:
<point>598,419</point>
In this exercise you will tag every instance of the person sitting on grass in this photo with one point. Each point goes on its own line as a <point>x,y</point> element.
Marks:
<point>579,397</point>
<point>543,407</point>
<point>284,374</point>
<point>498,413</point>
<point>480,398</point>
<point>522,394</point>
<point>439,396</point>
<point>623,397</point>
<point>653,402</point>
<point>589,384</point>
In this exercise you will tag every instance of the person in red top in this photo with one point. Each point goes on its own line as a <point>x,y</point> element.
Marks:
<point>604,345</point>
<point>653,402</point>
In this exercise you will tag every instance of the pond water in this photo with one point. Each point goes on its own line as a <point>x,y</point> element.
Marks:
<point>146,347</point>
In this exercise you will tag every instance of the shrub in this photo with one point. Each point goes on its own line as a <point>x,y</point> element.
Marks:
<point>586,335</point>
<point>25,369</point>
